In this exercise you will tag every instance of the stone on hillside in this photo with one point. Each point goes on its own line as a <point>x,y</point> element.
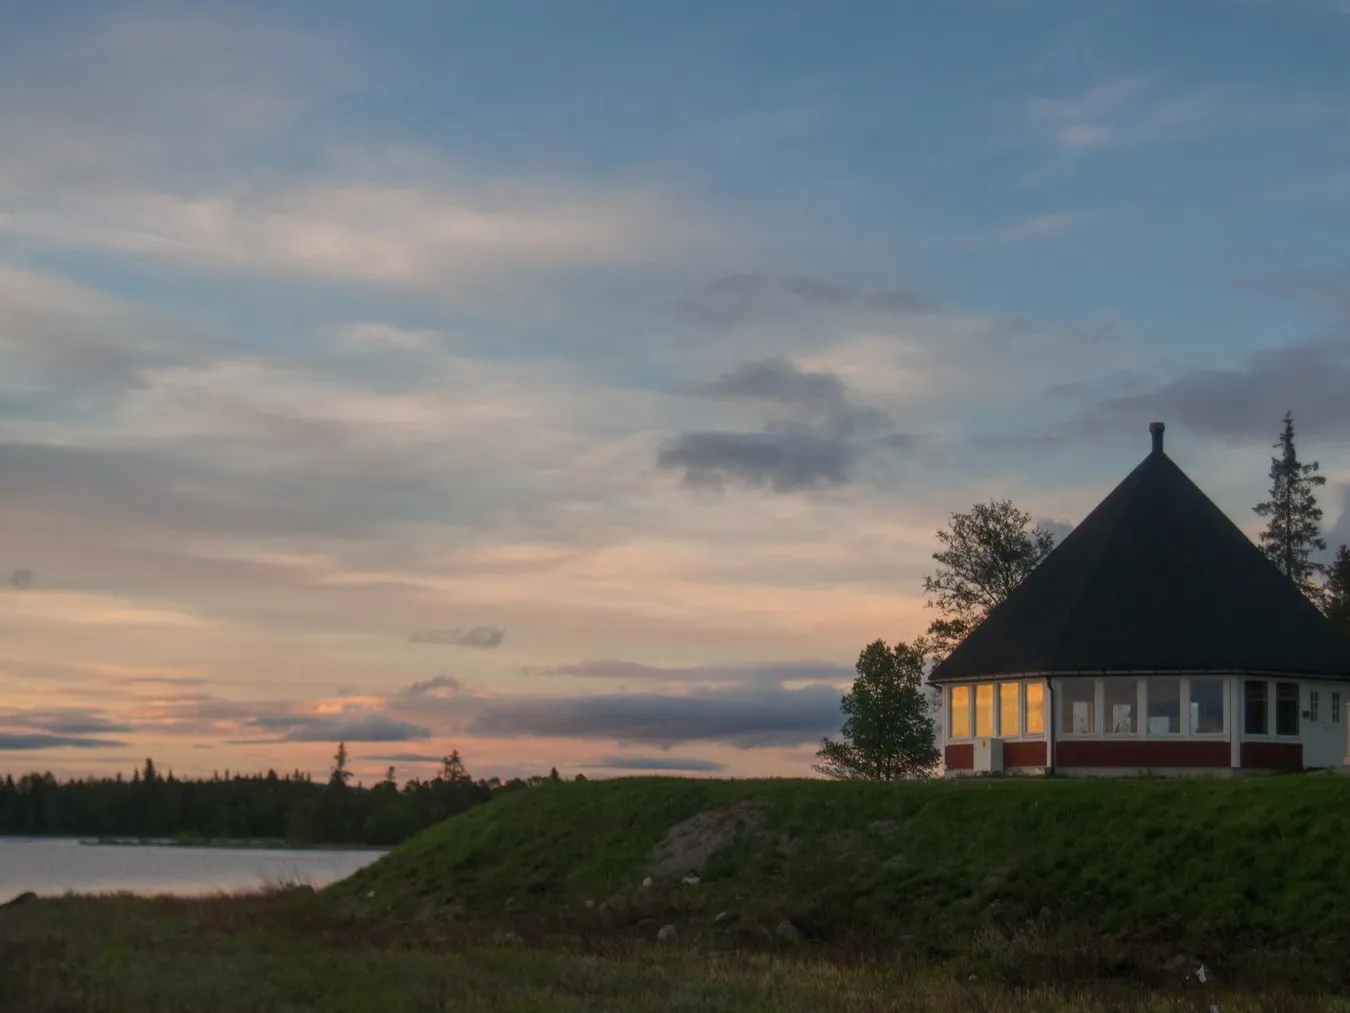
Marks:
<point>514,938</point>
<point>647,882</point>
<point>667,933</point>
<point>590,905</point>
<point>690,881</point>
<point>722,916</point>
<point>688,845</point>
<point>786,930</point>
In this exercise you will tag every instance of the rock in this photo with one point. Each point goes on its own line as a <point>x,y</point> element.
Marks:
<point>1046,914</point>
<point>646,883</point>
<point>690,881</point>
<point>786,930</point>
<point>370,894</point>
<point>667,933</point>
<point>722,916</point>
<point>510,902</point>
<point>514,938</point>
<point>27,897</point>
<point>590,905</point>
<point>1183,965</point>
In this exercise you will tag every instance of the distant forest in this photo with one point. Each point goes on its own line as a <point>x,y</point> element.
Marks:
<point>290,807</point>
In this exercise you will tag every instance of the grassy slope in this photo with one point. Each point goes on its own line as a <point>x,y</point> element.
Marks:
<point>1185,861</point>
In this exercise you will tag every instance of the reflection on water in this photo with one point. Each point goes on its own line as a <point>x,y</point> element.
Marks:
<point>53,866</point>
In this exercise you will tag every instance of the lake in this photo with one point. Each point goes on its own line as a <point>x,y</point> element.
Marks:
<point>53,866</point>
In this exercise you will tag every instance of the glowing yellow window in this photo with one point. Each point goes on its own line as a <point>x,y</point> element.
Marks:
<point>1009,721</point>
<point>1035,708</point>
<point>984,709</point>
<point>960,723</point>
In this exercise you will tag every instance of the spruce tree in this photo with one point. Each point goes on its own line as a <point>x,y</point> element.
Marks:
<point>1338,588</point>
<point>1293,528</point>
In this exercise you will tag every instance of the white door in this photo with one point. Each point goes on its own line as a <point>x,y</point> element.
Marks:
<point>1324,724</point>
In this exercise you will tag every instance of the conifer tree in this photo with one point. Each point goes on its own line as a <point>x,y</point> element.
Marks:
<point>1293,518</point>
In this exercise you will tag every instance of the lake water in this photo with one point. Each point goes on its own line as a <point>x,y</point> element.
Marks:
<point>53,866</point>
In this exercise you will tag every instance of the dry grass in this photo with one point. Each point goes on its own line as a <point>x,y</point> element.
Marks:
<point>286,951</point>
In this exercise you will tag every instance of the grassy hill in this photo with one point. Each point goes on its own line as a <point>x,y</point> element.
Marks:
<point>1186,861</point>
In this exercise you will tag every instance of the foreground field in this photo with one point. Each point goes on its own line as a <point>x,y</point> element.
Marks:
<point>286,953</point>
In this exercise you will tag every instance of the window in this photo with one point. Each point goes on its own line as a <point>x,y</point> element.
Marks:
<point>984,709</point>
<point>1255,708</point>
<point>1312,705</point>
<point>1286,708</point>
<point>1035,708</point>
<point>1122,706</point>
<point>1336,707</point>
<point>1164,706</point>
<point>960,716</point>
<point>1206,706</point>
<point>1078,707</point>
<point>1009,705</point>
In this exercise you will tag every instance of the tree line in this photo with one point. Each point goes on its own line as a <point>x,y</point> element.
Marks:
<point>288,807</point>
<point>888,730</point>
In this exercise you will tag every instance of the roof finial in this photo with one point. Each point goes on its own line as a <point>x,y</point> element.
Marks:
<point>1156,431</point>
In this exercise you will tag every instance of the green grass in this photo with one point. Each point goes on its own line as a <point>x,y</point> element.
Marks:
<point>1189,862</point>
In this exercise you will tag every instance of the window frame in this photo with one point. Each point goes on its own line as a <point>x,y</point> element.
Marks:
<point>971,691</point>
<point>1335,707</point>
<point>1063,718</point>
<point>951,709</point>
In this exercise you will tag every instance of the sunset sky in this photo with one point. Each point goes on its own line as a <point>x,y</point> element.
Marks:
<point>582,384</point>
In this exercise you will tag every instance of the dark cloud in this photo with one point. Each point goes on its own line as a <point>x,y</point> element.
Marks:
<point>741,298</point>
<point>28,741</point>
<point>63,721</point>
<point>776,379</point>
<point>21,579</point>
<point>656,763</point>
<point>473,636</point>
<point>1246,403</point>
<point>767,674</point>
<point>782,461</point>
<point>404,758</point>
<point>440,686</point>
<point>818,446</point>
<point>746,720</point>
<point>350,727</point>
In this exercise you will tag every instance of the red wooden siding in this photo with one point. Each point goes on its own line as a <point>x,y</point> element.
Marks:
<point>1023,754</point>
<point>1272,755</point>
<point>961,756</point>
<point>1137,753</point>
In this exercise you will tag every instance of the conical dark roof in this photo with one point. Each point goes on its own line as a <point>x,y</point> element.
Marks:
<point>1155,579</point>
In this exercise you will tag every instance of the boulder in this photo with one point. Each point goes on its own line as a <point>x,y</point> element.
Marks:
<point>667,934</point>
<point>787,931</point>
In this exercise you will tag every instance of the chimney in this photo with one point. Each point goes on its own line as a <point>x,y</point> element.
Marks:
<point>1156,431</point>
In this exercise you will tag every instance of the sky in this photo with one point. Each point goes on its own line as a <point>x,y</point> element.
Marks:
<point>583,385</point>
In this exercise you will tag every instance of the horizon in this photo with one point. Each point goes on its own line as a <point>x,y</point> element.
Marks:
<point>585,390</point>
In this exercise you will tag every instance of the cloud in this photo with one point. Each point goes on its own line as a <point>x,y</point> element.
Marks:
<point>1032,230</point>
<point>746,720</point>
<point>348,727</point>
<point>687,764</point>
<point>1246,402</point>
<point>1136,111</point>
<point>441,686</point>
<point>21,579</point>
<point>372,335</point>
<point>765,674</point>
<point>781,461</point>
<point>405,758</point>
<point>62,721</point>
<point>473,636</point>
<point>815,445</point>
<point>740,298</point>
<point>35,740</point>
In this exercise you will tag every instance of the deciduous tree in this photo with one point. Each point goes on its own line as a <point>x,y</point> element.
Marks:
<point>888,731</point>
<point>985,554</point>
